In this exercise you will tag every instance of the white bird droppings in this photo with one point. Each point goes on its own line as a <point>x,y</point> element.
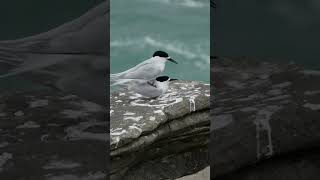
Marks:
<point>28,124</point>
<point>39,103</point>
<point>138,118</point>
<point>19,113</point>
<point>192,104</point>
<point>4,157</point>
<point>314,107</point>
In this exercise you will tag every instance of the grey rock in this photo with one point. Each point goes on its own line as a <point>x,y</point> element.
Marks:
<point>144,131</point>
<point>63,137</point>
<point>260,111</point>
<point>296,166</point>
<point>201,175</point>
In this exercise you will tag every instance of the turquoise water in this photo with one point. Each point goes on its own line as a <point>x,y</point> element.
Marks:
<point>22,18</point>
<point>179,27</point>
<point>287,30</point>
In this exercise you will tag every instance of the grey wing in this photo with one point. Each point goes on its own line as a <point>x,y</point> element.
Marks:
<point>152,83</point>
<point>85,35</point>
<point>145,71</point>
<point>145,89</point>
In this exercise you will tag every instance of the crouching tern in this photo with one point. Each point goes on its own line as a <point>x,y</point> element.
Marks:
<point>147,70</point>
<point>152,88</point>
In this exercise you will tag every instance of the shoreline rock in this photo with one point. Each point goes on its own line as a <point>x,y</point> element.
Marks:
<point>145,129</point>
<point>261,110</point>
<point>51,134</point>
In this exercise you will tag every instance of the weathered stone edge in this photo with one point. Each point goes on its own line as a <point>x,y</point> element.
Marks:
<point>164,130</point>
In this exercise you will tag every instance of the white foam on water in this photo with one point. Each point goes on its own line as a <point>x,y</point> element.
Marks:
<point>193,53</point>
<point>193,4</point>
<point>184,3</point>
<point>123,42</point>
<point>178,48</point>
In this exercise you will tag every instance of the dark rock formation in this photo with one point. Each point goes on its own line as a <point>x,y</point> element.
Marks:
<point>159,138</point>
<point>201,175</point>
<point>51,135</point>
<point>265,120</point>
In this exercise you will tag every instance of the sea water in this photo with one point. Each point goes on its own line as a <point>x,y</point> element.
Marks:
<point>179,27</point>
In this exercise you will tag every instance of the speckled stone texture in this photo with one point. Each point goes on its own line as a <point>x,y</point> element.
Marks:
<point>264,121</point>
<point>51,135</point>
<point>147,133</point>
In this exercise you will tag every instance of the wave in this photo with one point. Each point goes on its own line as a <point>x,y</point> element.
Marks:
<point>194,52</point>
<point>177,48</point>
<point>185,3</point>
<point>194,4</point>
<point>123,43</point>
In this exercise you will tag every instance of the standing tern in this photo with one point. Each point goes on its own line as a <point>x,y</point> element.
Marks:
<point>147,70</point>
<point>72,58</point>
<point>151,89</point>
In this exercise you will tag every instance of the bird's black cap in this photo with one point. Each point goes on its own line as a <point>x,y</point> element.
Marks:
<point>160,54</point>
<point>164,55</point>
<point>162,78</point>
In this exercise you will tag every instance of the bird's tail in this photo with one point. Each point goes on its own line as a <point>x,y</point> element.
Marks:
<point>115,79</point>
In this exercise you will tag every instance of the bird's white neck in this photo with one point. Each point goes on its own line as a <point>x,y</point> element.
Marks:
<point>163,85</point>
<point>159,62</point>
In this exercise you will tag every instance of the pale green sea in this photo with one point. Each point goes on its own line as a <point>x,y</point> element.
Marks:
<point>179,27</point>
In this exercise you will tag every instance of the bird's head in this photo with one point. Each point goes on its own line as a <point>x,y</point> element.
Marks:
<point>162,78</point>
<point>164,55</point>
